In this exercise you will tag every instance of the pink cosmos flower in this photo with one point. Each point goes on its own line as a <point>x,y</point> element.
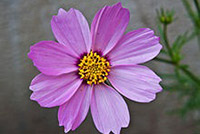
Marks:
<point>74,69</point>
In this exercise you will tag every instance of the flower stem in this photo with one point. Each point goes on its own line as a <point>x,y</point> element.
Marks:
<point>189,10</point>
<point>166,41</point>
<point>191,75</point>
<point>198,12</point>
<point>192,36</point>
<point>197,6</point>
<point>176,63</point>
<point>182,68</point>
<point>164,60</point>
<point>173,60</point>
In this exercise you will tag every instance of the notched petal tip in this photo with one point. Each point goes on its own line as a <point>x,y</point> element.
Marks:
<point>71,29</point>
<point>52,58</point>
<point>135,47</point>
<point>73,112</point>
<point>160,90</point>
<point>118,4</point>
<point>30,53</point>
<point>67,130</point>
<point>150,100</point>
<point>145,81</point>
<point>73,10</point>
<point>32,97</point>
<point>53,19</point>
<point>61,10</point>
<point>108,26</point>
<point>113,102</point>
<point>31,87</point>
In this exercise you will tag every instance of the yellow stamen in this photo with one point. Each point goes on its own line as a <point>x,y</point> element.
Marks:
<point>93,68</point>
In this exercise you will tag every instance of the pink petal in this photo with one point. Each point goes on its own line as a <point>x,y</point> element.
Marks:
<point>73,112</point>
<point>71,28</point>
<point>108,27</point>
<point>51,91</point>
<point>135,47</point>
<point>52,58</point>
<point>136,82</point>
<point>109,110</point>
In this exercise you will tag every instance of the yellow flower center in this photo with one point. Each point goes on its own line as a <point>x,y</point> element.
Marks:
<point>93,68</point>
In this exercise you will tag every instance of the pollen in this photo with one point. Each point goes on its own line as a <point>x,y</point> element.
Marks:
<point>93,68</point>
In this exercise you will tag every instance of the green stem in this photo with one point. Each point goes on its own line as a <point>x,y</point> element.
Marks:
<point>182,68</point>
<point>164,60</point>
<point>191,36</point>
<point>194,34</point>
<point>189,10</point>
<point>166,41</point>
<point>191,75</point>
<point>198,11</point>
<point>197,6</point>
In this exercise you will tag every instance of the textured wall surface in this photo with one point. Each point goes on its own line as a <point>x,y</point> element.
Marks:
<point>25,22</point>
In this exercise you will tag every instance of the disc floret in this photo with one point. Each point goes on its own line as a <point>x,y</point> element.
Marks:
<point>93,68</point>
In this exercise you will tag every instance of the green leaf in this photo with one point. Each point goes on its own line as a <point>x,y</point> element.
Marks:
<point>180,42</point>
<point>193,15</point>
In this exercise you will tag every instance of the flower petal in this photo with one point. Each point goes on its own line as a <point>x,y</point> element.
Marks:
<point>51,91</point>
<point>73,112</point>
<point>135,47</point>
<point>109,110</point>
<point>52,58</point>
<point>108,27</point>
<point>71,28</point>
<point>136,82</point>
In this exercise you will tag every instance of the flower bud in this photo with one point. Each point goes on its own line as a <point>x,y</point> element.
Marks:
<point>165,16</point>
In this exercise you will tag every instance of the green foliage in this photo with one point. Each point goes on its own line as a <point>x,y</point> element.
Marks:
<point>177,46</point>
<point>188,91</point>
<point>185,82</point>
<point>194,15</point>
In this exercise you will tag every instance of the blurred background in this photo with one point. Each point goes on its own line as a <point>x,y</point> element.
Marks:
<point>25,22</point>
